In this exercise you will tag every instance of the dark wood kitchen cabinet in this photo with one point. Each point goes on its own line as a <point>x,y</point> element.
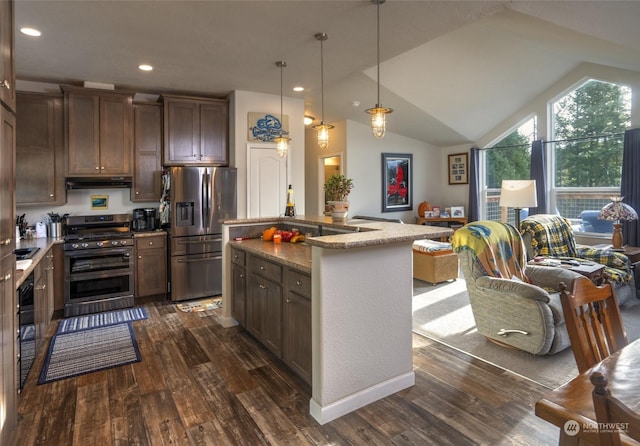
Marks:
<point>43,296</point>
<point>296,323</point>
<point>98,132</point>
<point>147,152</point>
<point>39,149</point>
<point>196,130</point>
<point>239,286</point>
<point>264,303</point>
<point>151,264</point>
<point>7,66</point>
<point>273,302</point>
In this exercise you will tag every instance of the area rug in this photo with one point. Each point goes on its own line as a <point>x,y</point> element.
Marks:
<point>200,305</point>
<point>443,313</point>
<point>85,351</point>
<point>101,319</point>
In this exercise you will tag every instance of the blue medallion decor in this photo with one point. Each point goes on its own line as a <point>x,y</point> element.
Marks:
<point>267,128</point>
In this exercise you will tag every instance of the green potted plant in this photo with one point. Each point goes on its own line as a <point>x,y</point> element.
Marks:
<point>337,190</point>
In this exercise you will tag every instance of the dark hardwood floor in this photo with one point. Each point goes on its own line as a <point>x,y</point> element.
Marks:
<point>199,383</point>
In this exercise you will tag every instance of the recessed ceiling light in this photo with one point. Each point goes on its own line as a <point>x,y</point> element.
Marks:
<point>298,88</point>
<point>145,67</point>
<point>30,32</point>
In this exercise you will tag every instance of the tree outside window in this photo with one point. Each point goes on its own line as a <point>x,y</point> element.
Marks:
<point>587,156</point>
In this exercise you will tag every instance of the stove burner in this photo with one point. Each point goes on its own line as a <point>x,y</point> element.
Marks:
<point>98,231</point>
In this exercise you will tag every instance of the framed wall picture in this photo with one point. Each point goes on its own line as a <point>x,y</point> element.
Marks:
<point>99,202</point>
<point>459,168</point>
<point>397,182</point>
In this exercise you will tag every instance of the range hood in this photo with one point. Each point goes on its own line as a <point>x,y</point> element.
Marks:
<point>98,182</point>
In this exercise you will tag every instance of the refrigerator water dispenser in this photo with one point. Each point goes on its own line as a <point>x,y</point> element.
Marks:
<point>184,213</point>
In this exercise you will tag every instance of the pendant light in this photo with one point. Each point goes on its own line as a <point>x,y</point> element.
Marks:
<point>282,141</point>
<point>322,128</point>
<point>378,113</point>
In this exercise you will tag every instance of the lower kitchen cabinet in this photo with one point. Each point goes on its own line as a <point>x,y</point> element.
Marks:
<point>264,304</point>
<point>239,286</point>
<point>43,296</point>
<point>151,264</point>
<point>296,323</point>
<point>273,302</point>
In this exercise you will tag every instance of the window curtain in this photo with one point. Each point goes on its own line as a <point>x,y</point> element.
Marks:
<point>630,184</point>
<point>474,186</point>
<point>538,172</point>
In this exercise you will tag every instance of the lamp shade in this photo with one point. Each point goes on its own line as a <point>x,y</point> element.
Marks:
<point>518,194</point>
<point>617,211</point>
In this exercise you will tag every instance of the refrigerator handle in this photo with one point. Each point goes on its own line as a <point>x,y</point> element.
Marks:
<point>203,203</point>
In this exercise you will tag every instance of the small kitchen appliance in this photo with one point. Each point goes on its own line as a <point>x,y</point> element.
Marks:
<point>144,219</point>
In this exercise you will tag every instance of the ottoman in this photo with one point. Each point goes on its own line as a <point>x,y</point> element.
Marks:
<point>434,262</point>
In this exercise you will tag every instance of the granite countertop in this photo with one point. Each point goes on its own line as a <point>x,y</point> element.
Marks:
<point>44,244</point>
<point>364,232</point>
<point>293,255</point>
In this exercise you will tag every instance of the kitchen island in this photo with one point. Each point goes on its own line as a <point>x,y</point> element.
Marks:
<point>361,292</point>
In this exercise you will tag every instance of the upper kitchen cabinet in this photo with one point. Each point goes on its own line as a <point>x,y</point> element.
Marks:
<point>147,152</point>
<point>7,67</point>
<point>98,132</point>
<point>196,130</point>
<point>39,143</point>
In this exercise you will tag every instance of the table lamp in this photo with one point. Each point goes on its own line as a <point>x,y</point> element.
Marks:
<point>617,211</point>
<point>518,194</point>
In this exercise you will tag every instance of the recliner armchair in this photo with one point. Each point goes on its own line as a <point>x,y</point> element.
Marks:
<point>513,303</point>
<point>552,236</point>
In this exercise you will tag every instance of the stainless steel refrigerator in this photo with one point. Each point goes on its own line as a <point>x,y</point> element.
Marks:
<point>199,199</point>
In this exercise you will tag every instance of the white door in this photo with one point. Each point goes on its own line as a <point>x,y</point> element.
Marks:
<point>266,182</point>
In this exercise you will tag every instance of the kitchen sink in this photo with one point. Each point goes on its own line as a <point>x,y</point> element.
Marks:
<point>25,253</point>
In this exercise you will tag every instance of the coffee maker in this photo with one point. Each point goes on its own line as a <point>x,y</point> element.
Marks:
<point>144,219</point>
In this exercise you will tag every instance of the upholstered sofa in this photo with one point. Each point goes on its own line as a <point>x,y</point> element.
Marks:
<point>549,235</point>
<point>513,303</point>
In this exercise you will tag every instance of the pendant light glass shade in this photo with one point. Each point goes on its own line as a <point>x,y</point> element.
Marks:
<point>378,113</point>
<point>282,141</point>
<point>322,128</point>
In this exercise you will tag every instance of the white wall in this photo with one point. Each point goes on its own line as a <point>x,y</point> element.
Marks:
<point>363,163</point>
<point>79,203</point>
<point>240,104</point>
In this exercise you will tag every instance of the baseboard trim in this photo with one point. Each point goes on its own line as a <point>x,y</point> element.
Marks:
<point>325,414</point>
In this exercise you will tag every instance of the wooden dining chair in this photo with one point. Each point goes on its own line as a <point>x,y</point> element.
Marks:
<point>593,321</point>
<point>612,415</point>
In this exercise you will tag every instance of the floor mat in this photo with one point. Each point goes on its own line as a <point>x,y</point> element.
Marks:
<point>85,351</point>
<point>200,305</point>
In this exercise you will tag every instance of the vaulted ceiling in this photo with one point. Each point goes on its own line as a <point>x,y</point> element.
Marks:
<point>451,70</point>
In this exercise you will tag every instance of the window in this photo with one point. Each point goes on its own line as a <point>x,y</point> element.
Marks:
<point>588,129</point>
<point>508,159</point>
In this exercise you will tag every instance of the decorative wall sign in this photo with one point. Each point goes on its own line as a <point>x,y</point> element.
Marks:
<point>99,202</point>
<point>264,127</point>
<point>397,180</point>
<point>459,168</point>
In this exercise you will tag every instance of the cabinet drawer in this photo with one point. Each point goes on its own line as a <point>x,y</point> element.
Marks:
<point>151,242</point>
<point>299,283</point>
<point>238,257</point>
<point>266,269</point>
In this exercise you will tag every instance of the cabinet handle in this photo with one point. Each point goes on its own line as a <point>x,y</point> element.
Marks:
<point>288,300</point>
<point>5,84</point>
<point>51,195</point>
<point>5,278</point>
<point>102,168</point>
<point>242,276</point>
<point>235,256</point>
<point>261,268</point>
<point>49,269</point>
<point>41,287</point>
<point>137,193</point>
<point>262,286</point>
<point>298,283</point>
<point>150,243</point>
<point>6,241</point>
<point>18,333</point>
<point>17,307</point>
<point>97,168</point>
<point>139,257</point>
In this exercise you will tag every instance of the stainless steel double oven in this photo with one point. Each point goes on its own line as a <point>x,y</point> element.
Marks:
<point>99,264</point>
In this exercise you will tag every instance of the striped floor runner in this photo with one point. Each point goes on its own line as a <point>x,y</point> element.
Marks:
<point>101,319</point>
